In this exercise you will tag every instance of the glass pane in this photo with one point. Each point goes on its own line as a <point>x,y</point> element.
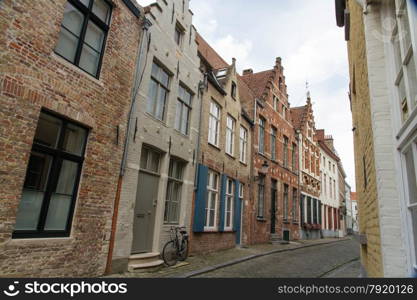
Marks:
<point>102,10</point>
<point>178,116</point>
<point>73,19</point>
<point>67,45</point>
<point>58,212</point>
<point>48,130</point>
<point>144,158</point>
<point>37,173</point>
<point>29,209</point>
<point>154,162</point>
<point>412,79</point>
<point>185,118</point>
<point>153,88</point>
<point>89,60</point>
<point>94,37</point>
<point>213,201</point>
<point>67,177</point>
<point>85,2</point>
<point>164,78</point>
<point>211,224</point>
<point>155,70</point>
<point>160,107</point>
<point>411,176</point>
<point>74,139</point>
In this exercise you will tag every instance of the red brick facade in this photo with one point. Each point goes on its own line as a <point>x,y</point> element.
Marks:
<point>34,78</point>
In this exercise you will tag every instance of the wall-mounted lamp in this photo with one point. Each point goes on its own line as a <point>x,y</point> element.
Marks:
<point>263,171</point>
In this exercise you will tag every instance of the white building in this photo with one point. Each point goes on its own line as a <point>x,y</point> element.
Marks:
<point>349,216</point>
<point>329,193</point>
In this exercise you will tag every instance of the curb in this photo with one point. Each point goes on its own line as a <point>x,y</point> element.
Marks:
<point>250,257</point>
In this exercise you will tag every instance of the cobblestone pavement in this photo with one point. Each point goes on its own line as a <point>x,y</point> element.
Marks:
<point>309,262</point>
<point>216,260</point>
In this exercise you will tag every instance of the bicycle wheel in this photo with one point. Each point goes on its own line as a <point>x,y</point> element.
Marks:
<point>183,253</point>
<point>169,254</point>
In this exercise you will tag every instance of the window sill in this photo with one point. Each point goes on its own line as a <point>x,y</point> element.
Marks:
<point>210,230</point>
<point>230,156</point>
<point>243,163</point>
<point>182,134</point>
<point>260,219</point>
<point>214,146</point>
<point>286,222</point>
<point>152,117</point>
<point>40,242</point>
<point>74,68</point>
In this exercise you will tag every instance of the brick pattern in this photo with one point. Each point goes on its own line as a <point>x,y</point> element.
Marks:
<point>364,147</point>
<point>33,77</point>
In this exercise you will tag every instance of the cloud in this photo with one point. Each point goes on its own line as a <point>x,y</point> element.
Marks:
<point>231,47</point>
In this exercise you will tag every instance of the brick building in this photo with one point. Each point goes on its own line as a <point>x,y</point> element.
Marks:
<point>309,177</point>
<point>382,45</point>
<point>158,185</point>
<point>275,171</point>
<point>65,92</point>
<point>224,158</point>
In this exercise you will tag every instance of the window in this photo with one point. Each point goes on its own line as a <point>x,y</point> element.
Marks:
<point>293,156</point>
<point>178,34</point>
<point>309,210</point>
<point>273,143</point>
<point>275,103</point>
<point>83,33</point>
<point>214,124</point>
<point>405,75</point>
<point>286,207</point>
<point>261,197</point>
<point>331,187</point>
<point>302,209</point>
<point>261,135</point>
<point>212,199</point>
<point>243,144</point>
<point>52,179</point>
<point>183,114</point>
<point>229,204</point>
<point>294,205</point>
<point>286,152</point>
<point>315,219</point>
<point>234,90</point>
<point>230,135</point>
<point>325,184</point>
<point>174,189</point>
<point>241,190</point>
<point>150,160</point>
<point>158,92</point>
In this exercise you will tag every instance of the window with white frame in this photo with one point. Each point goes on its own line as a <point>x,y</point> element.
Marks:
<point>214,124</point>
<point>404,57</point>
<point>243,147</point>
<point>183,113</point>
<point>228,225</point>
<point>158,92</point>
<point>241,190</point>
<point>212,199</point>
<point>174,189</point>
<point>230,135</point>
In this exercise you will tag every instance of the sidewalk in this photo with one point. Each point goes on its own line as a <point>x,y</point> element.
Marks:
<point>203,263</point>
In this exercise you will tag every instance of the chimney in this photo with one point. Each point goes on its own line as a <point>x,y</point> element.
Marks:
<point>278,61</point>
<point>247,72</point>
<point>320,134</point>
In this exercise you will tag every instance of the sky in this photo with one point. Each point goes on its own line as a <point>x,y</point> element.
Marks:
<point>304,34</point>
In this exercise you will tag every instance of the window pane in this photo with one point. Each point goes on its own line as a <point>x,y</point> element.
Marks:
<point>67,45</point>
<point>412,79</point>
<point>153,88</point>
<point>185,120</point>
<point>94,37</point>
<point>160,107</point>
<point>67,177</point>
<point>89,60</point>
<point>164,78</point>
<point>73,19</point>
<point>102,10</point>
<point>37,173</point>
<point>144,158</point>
<point>155,70</point>
<point>74,139</point>
<point>29,210</point>
<point>48,130</point>
<point>178,116</point>
<point>85,2</point>
<point>154,162</point>
<point>58,212</point>
<point>411,176</point>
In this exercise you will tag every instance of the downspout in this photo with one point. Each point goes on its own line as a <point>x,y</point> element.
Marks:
<point>138,77</point>
<point>202,85</point>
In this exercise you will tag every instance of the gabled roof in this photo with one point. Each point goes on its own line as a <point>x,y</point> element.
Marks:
<point>298,115</point>
<point>215,61</point>
<point>258,82</point>
<point>245,93</point>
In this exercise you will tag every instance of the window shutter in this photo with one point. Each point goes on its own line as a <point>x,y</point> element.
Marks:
<point>222,203</point>
<point>237,211</point>
<point>200,199</point>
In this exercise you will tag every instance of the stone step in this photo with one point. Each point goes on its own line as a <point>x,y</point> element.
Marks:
<point>143,258</point>
<point>148,265</point>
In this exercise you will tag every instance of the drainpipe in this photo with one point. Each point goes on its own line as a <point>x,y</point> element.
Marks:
<point>137,81</point>
<point>201,86</point>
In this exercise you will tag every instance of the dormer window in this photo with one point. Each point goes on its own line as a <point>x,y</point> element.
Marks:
<point>179,33</point>
<point>221,74</point>
<point>234,90</point>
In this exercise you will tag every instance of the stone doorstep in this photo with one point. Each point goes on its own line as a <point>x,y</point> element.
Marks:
<point>143,258</point>
<point>250,257</point>
<point>148,265</point>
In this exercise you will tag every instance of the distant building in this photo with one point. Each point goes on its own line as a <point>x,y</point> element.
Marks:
<point>355,213</point>
<point>309,174</point>
<point>349,215</point>
<point>382,47</point>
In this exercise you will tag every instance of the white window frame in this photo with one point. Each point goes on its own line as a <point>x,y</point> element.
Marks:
<point>241,191</point>
<point>214,124</point>
<point>212,189</point>
<point>230,191</point>
<point>243,147</point>
<point>230,135</point>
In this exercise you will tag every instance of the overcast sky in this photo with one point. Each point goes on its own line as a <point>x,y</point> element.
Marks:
<point>312,47</point>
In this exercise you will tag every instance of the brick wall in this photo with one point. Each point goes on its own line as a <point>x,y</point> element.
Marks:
<point>32,77</point>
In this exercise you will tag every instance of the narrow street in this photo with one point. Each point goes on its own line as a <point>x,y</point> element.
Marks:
<point>329,260</point>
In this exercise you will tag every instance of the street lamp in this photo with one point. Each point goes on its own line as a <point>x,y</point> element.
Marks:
<point>263,171</point>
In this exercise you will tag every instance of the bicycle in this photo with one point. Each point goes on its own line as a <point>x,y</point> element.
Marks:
<point>177,248</point>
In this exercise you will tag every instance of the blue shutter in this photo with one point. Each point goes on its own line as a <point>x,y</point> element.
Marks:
<point>237,212</point>
<point>222,203</point>
<point>200,199</point>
